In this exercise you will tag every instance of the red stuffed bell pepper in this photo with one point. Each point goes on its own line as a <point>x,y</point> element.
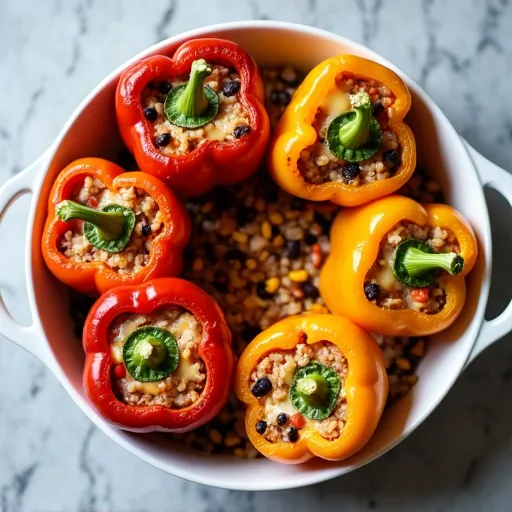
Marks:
<point>195,120</point>
<point>158,357</point>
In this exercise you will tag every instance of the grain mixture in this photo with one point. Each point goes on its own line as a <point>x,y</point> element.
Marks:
<point>148,226</point>
<point>184,386</point>
<point>280,367</point>
<point>221,259</point>
<point>318,165</point>
<point>395,295</point>
<point>231,122</point>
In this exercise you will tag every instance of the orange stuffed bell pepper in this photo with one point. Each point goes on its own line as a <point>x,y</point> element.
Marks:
<point>397,267</point>
<point>314,385</point>
<point>107,227</point>
<point>343,137</point>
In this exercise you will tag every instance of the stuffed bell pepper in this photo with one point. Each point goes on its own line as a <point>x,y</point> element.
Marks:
<point>343,137</point>
<point>314,385</point>
<point>107,227</point>
<point>158,356</point>
<point>195,120</point>
<point>397,267</point>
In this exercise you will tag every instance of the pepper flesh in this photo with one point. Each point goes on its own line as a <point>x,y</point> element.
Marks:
<point>215,350</point>
<point>356,235</point>
<point>366,386</point>
<point>96,277</point>
<point>294,133</point>
<point>212,162</point>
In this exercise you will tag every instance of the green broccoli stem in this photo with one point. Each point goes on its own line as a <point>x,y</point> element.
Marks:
<point>416,261</point>
<point>314,389</point>
<point>193,101</point>
<point>110,224</point>
<point>356,132</point>
<point>149,351</point>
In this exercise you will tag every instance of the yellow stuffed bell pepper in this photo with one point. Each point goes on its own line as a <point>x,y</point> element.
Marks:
<point>314,385</point>
<point>342,138</point>
<point>397,267</point>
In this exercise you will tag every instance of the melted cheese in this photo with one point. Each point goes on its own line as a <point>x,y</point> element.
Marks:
<point>385,278</point>
<point>215,133</point>
<point>187,370</point>
<point>148,388</point>
<point>335,103</point>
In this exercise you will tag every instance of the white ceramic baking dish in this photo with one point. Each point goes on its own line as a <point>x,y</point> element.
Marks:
<point>92,131</point>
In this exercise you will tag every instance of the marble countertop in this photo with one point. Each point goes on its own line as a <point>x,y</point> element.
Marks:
<point>51,54</point>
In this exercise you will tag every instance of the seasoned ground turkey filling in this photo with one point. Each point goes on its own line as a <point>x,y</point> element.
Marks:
<point>395,295</point>
<point>231,114</point>
<point>318,165</point>
<point>148,225</point>
<point>302,245</point>
<point>279,368</point>
<point>183,387</point>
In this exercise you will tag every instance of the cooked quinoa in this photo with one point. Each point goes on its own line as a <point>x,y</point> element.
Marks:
<point>136,255</point>
<point>392,293</point>
<point>318,165</point>
<point>249,204</point>
<point>280,367</point>
<point>183,387</point>
<point>175,140</point>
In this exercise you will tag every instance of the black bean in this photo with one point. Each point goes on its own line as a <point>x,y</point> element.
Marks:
<point>292,249</point>
<point>324,222</point>
<point>164,87</point>
<point>150,114</point>
<point>271,195</point>
<point>235,255</point>
<point>231,87</point>
<point>310,290</point>
<point>241,130</point>
<point>310,239</point>
<point>250,332</point>
<point>261,290</point>
<point>280,98</point>
<point>262,387</point>
<point>350,171</point>
<point>245,214</point>
<point>391,158</point>
<point>293,434</point>
<point>372,291</point>
<point>146,230</point>
<point>281,419</point>
<point>261,426</point>
<point>297,204</point>
<point>377,109</point>
<point>163,139</point>
<point>276,230</point>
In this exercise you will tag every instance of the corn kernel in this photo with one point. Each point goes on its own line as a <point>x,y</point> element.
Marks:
<point>266,230</point>
<point>276,218</point>
<point>207,207</point>
<point>227,225</point>
<point>298,276</point>
<point>264,256</point>
<point>278,241</point>
<point>230,299</point>
<point>291,214</point>
<point>317,308</point>
<point>257,277</point>
<point>419,349</point>
<point>272,284</point>
<point>403,364</point>
<point>198,265</point>
<point>240,237</point>
<point>260,205</point>
<point>251,264</point>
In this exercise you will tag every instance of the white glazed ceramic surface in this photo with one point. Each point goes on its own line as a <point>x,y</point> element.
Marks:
<point>92,131</point>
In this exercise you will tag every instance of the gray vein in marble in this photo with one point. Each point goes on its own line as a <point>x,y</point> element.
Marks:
<point>89,497</point>
<point>81,13</point>
<point>11,494</point>
<point>370,18</point>
<point>165,21</point>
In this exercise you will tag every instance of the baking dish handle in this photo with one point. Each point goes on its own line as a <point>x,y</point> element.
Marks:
<point>26,337</point>
<point>492,176</point>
